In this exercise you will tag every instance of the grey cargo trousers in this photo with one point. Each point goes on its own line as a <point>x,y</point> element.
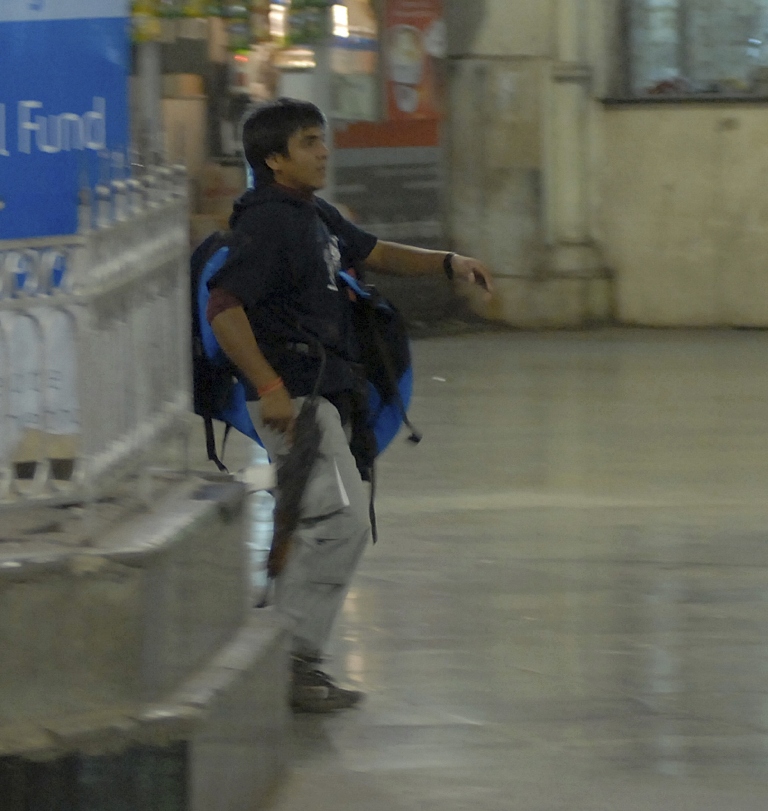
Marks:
<point>334,529</point>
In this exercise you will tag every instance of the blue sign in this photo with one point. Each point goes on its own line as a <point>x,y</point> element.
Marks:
<point>64,68</point>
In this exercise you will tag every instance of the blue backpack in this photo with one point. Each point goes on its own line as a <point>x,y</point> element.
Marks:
<point>219,395</point>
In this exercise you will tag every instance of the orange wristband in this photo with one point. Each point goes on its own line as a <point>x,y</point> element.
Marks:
<point>275,385</point>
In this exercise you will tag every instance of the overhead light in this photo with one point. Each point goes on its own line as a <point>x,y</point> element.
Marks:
<point>340,21</point>
<point>277,21</point>
<point>296,59</point>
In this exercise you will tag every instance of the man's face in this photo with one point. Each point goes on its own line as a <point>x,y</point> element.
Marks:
<point>305,166</point>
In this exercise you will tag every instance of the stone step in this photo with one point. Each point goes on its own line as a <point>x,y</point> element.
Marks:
<point>217,742</point>
<point>129,618</point>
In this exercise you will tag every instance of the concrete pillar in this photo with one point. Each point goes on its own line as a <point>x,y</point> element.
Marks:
<point>567,128</point>
<point>524,128</point>
<point>150,81</point>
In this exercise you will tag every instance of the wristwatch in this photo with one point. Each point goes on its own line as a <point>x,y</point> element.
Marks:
<point>448,265</point>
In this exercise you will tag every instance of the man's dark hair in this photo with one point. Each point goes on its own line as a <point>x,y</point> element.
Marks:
<point>267,131</point>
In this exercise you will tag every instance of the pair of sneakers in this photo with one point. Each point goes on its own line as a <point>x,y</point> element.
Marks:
<point>312,690</point>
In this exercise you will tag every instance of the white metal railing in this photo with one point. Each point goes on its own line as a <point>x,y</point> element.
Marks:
<point>94,360</point>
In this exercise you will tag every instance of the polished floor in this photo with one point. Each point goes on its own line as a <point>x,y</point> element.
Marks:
<point>568,606</point>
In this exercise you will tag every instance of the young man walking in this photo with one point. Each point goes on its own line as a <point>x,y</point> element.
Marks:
<point>277,297</point>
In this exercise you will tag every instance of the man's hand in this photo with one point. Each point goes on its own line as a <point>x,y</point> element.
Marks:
<point>235,336</point>
<point>405,260</point>
<point>472,271</point>
<point>277,411</point>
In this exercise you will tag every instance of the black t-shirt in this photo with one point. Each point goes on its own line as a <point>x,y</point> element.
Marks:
<point>283,263</point>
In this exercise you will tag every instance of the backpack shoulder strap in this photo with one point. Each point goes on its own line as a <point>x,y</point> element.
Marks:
<point>372,300</point>
<point>354,285</point>
<point>211,268</point>
<point>210,445</point>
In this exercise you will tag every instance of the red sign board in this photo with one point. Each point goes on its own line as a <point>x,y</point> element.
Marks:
<point>414,43</point>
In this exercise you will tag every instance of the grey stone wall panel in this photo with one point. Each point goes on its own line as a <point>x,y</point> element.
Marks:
<point>127,620</point>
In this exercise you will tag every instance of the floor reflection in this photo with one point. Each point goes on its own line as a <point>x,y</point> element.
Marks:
<point>568,605</point>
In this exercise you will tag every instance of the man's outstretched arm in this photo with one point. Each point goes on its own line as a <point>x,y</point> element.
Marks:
<point>404,260</point>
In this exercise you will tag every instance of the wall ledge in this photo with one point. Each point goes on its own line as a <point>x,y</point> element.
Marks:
<point>645,101</point>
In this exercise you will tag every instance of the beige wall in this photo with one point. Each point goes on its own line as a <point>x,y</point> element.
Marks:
<point>684,213</point>
<point>676,195</point>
